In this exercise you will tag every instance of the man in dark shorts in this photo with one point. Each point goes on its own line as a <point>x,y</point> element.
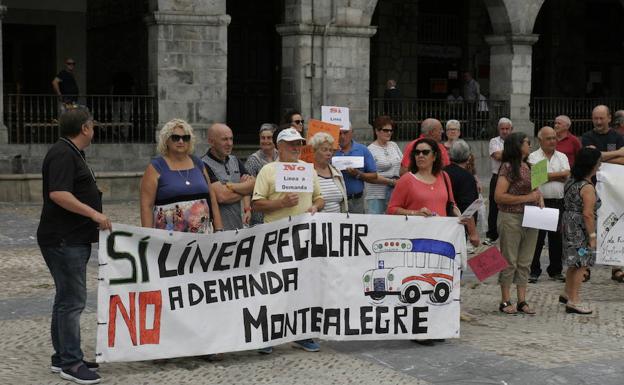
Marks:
<point>64,83</point>
<point>71,215</point>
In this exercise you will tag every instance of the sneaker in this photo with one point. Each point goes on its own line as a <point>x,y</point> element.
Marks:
<point>56,366</point>
<point>82,375</point>
<point>488,241</point>
<point>533,278</point>
<point>267,350</point>
<point>558,277</point>
<point>308,345</point>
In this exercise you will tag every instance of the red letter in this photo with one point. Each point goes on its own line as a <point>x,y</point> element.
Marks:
<point>115,302</point>
<point>150,336</point>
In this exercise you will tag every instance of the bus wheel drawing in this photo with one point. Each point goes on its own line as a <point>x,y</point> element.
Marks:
<point>411,294</point>
<point>441,292</point>
<point>377,297</point>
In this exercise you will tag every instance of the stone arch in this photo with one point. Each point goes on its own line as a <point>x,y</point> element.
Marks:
<point>515,17</point>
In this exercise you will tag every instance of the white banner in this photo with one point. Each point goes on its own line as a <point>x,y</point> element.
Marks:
<point>610,224</point>
<point>332,276</point>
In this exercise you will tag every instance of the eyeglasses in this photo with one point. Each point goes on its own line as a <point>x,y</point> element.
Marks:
<point>424,152</point>
<point>298,121</point>
<point>386,130</point>
<point>176,138</point>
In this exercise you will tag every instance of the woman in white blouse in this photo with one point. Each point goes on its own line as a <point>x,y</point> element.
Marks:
<point>332,184</point>
<point>388,157</point>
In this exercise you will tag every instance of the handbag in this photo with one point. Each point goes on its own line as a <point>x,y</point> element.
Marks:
<point>450,205</point>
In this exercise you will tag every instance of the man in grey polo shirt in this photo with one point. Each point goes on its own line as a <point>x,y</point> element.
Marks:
<point>228,177</point>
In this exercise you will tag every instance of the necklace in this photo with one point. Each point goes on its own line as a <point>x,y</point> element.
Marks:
<point>185,178</point>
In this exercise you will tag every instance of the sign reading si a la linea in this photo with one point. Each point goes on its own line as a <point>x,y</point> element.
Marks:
<point>331,276</point>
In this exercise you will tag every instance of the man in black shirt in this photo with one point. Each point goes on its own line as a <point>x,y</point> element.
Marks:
<point>71,215</point>
<point>64,83</point>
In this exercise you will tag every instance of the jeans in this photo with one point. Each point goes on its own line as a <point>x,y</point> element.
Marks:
<point>68,266</point>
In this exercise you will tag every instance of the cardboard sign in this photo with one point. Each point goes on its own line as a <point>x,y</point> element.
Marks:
<point>307,154</point>
<point>336,115</point>
<point>294,177</point>
<point>345,162</point>
<point>316,126</point>
<point>539,174</point>
<point>488,263</point>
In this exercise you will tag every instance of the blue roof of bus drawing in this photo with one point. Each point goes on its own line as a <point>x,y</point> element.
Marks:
<point>433,246</point>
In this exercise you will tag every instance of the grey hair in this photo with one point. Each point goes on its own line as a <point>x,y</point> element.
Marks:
<point>268,127</point>
<point>460,151</point>
<point>565,119</point>
<point>167,130</point>
<point>618,118</point>
<point>428,125</point>
<point>454,123</point>
<point>504,121</point>
<point>320,138</point>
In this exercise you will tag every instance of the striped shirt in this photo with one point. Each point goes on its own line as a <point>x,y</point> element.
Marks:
<point>388,160</point>
<point>331,195</point>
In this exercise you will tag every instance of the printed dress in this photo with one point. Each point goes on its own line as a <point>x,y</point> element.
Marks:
<point>576,250</point>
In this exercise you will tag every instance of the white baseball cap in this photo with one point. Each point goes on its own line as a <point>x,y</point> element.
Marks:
<point>289,135</point>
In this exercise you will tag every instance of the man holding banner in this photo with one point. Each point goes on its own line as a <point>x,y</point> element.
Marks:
<point>277,199</point>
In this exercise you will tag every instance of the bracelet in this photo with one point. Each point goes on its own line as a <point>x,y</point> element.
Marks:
<point>247,209</point>
<point>592,235</point>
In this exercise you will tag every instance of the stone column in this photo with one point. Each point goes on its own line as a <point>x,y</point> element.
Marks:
<point>340,55</point>
<point>510,75</point>
<point>188,66</point>
<point>4,132</point>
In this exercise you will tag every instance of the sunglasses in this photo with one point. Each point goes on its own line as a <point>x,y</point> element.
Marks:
<point>70,63</point>
<point>298,121</point>
<point>424,152</point>
<point>176,138</point>
<point>386,130</point>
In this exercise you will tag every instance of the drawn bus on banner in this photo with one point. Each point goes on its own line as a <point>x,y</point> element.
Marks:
<point>411,269</point>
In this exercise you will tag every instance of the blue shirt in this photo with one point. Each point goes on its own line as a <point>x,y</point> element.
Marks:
<point>356,186</point>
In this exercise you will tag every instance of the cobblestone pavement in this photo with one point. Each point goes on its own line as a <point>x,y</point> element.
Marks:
<point>550,348</point>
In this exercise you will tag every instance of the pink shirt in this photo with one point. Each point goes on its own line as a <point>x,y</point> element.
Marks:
<point>413,194</point>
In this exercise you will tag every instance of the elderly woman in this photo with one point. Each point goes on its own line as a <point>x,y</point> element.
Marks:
<point>513,192</point>
<point>331,181</point>
<point>388,157</point>
<point>453,131</point>
<point>463,182</point>
<point>266,154</point>
<point>579,226</point>
<point>175,194</point>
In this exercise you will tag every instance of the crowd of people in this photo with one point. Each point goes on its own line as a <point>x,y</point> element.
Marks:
<point>218,192</point>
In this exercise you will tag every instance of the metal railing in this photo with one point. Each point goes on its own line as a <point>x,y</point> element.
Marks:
<point>544,110</point>
<point>478,119</point>
<point>33,119</point>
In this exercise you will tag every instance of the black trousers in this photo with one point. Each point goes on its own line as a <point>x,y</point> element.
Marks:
<point>555,245</point>
<point>492,231</point>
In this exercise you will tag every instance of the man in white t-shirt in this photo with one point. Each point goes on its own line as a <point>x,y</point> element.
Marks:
<point>505,127</point>
<point>558,169</point>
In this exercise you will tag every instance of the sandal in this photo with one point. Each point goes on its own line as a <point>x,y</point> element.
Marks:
<point>577,309</point>
<point>617,275</point>
<point>587,275</point>
<point>507,305</point>
<point>524,307</point>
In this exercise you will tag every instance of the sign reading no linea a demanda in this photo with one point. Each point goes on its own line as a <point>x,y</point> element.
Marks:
<point>294,177</point>
<point>331,276</point>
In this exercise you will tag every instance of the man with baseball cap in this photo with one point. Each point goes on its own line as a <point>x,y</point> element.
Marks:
<point>277,205</point>
<point>355,177</point>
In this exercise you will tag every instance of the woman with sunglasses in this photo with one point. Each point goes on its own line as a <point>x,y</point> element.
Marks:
<point>175,194</point>
<point>294,119</point>
<point>388,157</point>
<point>517,244</point>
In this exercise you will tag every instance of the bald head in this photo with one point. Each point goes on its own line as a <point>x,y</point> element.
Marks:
<point>601,117</point>
<point>547,139</point>
<point>431,128</point>
<point>221,140</point>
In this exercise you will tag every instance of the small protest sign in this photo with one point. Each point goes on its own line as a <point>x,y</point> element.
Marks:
<point>294,177</point>
<point>336,115</point>
<point>488,263</point>
<point>345,162</point>
<point>538,218</point>
<point>472,209</point>
<point>539,173</point>
<point>316,126</point>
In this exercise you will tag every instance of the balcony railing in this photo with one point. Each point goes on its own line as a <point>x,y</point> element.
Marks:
<point>478,119</point>
<point>544,110</point>
<point>33,119</point>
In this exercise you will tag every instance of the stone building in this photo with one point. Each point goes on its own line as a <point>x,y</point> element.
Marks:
<point>246,62</point>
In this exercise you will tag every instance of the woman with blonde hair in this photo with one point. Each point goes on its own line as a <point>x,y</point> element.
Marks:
<point>175,194</point>
<point>331,180</point>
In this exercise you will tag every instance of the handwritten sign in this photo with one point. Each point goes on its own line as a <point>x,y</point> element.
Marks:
<point>316,126</point>
<point>539,173</point>
<point>294,177</point>
<point>345,162</point>
<point>488,263</point>
<point>336,115</point>
<point>543,219</point>
<point>610,223</point>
